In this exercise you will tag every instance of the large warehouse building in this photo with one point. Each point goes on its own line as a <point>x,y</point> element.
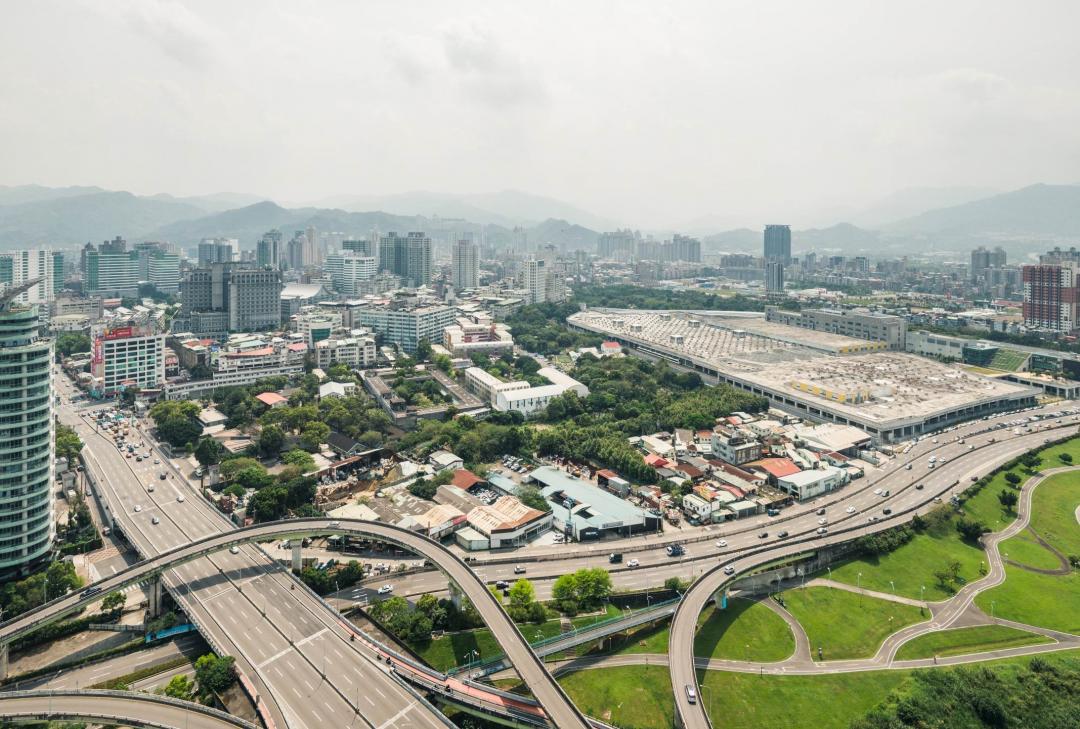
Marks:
<point>817,375</point>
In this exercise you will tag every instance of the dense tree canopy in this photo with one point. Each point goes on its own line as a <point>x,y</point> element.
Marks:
<point>68,444</point>
<point>177,421</point>
<point>69,343</point>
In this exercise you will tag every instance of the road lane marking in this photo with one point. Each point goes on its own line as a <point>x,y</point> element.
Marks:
<point>393,719</point>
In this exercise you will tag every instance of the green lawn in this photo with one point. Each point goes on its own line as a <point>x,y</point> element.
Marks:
<point>745,631</point>
<point>1008,359</point>
<point>845,624</point>
<point>722,634</point>
<point>962,641</point>
<point>912,566</point>
<point>632,697</point>
<point>829,701</point>
<point>1046,600</point>
<point>1024,549</point>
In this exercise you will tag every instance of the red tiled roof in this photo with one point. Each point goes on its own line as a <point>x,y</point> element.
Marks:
<point>607,474</point>
<point>656,461</point>
<point>735,491</point>
<point>777,467</point>
<point>270,398</point>
<point>260,352</point>
<point>297,346</point>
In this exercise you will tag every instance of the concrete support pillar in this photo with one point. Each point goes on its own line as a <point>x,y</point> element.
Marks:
<point>297,556</point>
<point>154,594</point>
<point>3,660</point>
<point>456,594</point>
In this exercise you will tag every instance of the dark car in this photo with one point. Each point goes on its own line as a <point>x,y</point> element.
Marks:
<point>614,558</point>
<point>782,534</point>
<point>763,535</point>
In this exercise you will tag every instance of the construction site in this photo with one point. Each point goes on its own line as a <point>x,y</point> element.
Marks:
<point>821,376</point>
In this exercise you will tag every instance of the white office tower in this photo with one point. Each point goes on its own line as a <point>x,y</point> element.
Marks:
<point>43,266</point>
<point>26,431</point>
<point>348,270</point>
<point>536,280</point>
<point>466,264</point>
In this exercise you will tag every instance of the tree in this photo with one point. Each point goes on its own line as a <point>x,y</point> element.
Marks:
<point>674,584</point>
<point>1065,457</point>
<point>943,578</point>
<point>970,529</point>
<point>214,674</point>
<point>300,459</point>
<point>68,444</point>
<point>533,498</point>
<point>268,504</point>
<point>113,603</point>
<point>1013,478</point>
<point>208,451</point>
<point>180,687</point>
<point>69,343</point>
<point>424,488</point>
<point>253,477</point>
<point>270,441</point>
<point>1008,499</point>
<point>1031,461</point>
<point>423,351</point>
<point>314,433</point>
<point>522,594</point>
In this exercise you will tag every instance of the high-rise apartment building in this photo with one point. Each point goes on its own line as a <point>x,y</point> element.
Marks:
<point>407,256</point>
<point>774,278</point>
<point>47,267</point>
<point>465,264</point>
<point>618,245</point>
<point>541,282</point>
<point>126,354</point>
<point>982,259</point>
<point>111,273</point>
<point>685,248</point>
<point>406,325</point>
<point>348,271</point>
<point>778,243</point>
<point>26,431</point>
<point>366,247</point>
<point>268,253</point>
<point>1051,296</point>
<point>218,250</point>
<point>226,297</point>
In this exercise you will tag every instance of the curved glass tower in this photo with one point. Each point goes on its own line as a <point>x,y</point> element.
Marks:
<point>26,439</point>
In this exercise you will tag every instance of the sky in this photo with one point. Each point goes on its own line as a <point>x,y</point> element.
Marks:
<point>647,113</point>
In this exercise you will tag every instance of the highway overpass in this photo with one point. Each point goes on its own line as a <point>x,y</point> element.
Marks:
<point>124,708</point>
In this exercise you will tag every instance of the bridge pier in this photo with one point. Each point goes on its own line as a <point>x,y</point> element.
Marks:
<point>154,595</point>
<point>297,556</point>
<point>455,594</point>
<point>3,660</point>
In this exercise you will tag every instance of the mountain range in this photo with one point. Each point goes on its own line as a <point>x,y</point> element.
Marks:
<point>1021,220</point>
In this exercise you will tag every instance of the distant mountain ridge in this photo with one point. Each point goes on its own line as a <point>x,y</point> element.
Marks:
<point>31,216</point>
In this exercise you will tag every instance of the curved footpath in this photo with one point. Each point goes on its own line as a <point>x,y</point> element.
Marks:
<point>115,707</point>
<point>557,706</point>
<point>683,665</point>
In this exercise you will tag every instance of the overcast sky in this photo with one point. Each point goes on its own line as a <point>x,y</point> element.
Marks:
<point>650,113</point>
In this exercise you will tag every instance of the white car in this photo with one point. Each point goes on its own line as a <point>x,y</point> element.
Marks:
<point>850,510</point>
<point>234,549</point>
<point>386,589</point>
<point>633,563</point>
<point>877,492</point>
<point>180,498</point>
<point>822,530</point>
<point>822,520</point>
<point>721,543</point>
<point>157,461</point>
<point>138,508</point>
<point>729,570</point>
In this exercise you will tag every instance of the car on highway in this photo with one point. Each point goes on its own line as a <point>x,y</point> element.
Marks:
<point>150,488</point>
<point>885,494</point>
<point>908,467</point>
<point>385,589</point>
<point>782,534</point>
<point>822,520</point>
<point>821,511</point>
<point>633,563</point>
<point>850,510</point>
<point>721,543</point>
<point>886,511</point>
<point>155,520</point>
<point>822,530</point>
<point>162,475</point>
<point>614,558</point>
<point>180,498</point>
<point>763,535</point>
<point>872,518</point>
<point>877,492</point>
<point>691,694</point>
<point>729,570</point>
<point>519,570</point>
<point>502,584</point>
<point>157,461</point>
<point>234,549</point>
<point>138,508</point>
<point>918,487</point>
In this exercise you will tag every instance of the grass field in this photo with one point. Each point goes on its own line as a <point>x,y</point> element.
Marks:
<point>745,631</point>
<point>632,697</point>
<point>962,641</point>
<point>1024,549</point>
<point>1008,359</point>
<point>846,624</point>
<point>1046,600</point>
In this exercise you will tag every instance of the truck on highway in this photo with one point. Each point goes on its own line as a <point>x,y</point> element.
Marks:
<point>675,550</point>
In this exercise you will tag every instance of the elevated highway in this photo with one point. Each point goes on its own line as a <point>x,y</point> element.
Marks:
<point>950,478</point>
<point>124,708</point>
<point>557,707</point>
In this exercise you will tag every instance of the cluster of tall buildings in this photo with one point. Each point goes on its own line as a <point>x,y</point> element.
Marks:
<point>630,246</point>
<point>1052,292</point>
<point>112,269</point>
<point>230,297</point>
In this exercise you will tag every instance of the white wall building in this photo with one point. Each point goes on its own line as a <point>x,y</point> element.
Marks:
<point>520,395</point>
<point>808,484</point>
<point>357,350</point>
<point>477,333</point>
<point>465,258</point>
<point>348,271</point>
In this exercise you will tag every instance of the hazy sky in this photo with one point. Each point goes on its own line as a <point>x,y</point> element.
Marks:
<point>651,113</point>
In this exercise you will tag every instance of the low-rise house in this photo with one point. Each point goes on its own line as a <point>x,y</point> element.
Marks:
<point>442,460</point>
<point>808,484</point>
